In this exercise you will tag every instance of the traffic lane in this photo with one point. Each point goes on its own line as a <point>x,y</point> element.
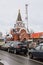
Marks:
<point>9,59</point>
<point>21,60</point>
<point>13,59</point>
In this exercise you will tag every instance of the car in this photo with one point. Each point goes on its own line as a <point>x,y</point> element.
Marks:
<point>36,52</point>
<point>1,43</point>
<point>41,43</point>
<point>18,47</point>
<point>6,46</point>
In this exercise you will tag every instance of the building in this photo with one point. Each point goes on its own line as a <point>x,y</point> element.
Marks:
<point>37,37</point>
<point>19,32</point>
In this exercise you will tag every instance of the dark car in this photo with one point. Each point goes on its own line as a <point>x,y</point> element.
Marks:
<point>18,47</point>
<point>36,52</point>
<point>6,45</point>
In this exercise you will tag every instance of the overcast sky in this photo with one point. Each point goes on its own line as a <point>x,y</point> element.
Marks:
<point>9,10</point>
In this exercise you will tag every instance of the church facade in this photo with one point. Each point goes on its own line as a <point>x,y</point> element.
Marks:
<point>19,31</point>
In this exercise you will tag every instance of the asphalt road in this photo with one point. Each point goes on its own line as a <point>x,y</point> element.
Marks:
<point>12,59</point>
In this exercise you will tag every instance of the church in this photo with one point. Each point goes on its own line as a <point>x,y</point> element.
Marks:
<point>19,32</point>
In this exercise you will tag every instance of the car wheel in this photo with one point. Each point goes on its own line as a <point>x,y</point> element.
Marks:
<point>15,51</point>
<point>8,50</point>
<point>30,56</point>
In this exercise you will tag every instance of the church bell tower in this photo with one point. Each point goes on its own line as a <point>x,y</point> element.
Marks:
<point>19,22</point>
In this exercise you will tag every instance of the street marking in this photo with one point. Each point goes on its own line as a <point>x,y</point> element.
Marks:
<point>4,62</point>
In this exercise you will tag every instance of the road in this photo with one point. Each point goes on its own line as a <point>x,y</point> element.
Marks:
<point>13,59</point>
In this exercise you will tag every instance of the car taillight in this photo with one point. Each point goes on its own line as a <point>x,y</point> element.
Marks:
<point>18,46</point>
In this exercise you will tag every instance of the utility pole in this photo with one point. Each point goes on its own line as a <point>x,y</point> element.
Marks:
<point>27,16</point>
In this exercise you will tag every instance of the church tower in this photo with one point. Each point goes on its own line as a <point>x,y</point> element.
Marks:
<point>19,16</point>
<point>19,23</point>
<point>19,31</point>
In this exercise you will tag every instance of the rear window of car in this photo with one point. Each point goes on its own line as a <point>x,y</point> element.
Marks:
<point>11,44</point>
<point>38,47</point>
<point>15,43</point>
<point>41,47</point>
<point>41,44</point>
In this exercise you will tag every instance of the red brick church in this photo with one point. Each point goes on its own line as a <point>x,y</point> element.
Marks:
<point>19,32</point>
